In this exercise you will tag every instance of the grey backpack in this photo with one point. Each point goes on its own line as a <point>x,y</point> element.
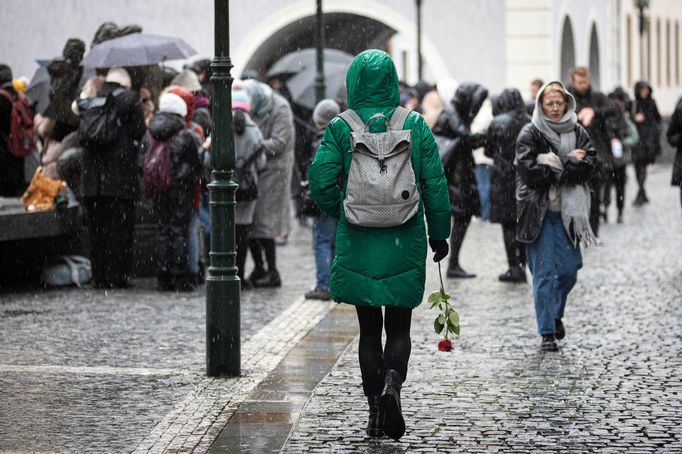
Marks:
<point>381,189</point>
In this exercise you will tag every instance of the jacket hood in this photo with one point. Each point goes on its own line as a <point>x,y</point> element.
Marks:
<point>571,100</point>
<point>372,81</point>
<point>508,101</point>
<point>468,100</point>
<point>5,74</point>
<point>642,84</point>
<point>260,97</point>
<point>165,125</point>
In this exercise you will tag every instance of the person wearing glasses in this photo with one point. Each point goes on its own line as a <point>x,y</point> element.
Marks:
<point>554,161</point>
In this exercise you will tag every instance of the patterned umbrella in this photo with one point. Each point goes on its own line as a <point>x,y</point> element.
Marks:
<point>137,49</point>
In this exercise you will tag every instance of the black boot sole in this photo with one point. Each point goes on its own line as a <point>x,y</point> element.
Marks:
<point>375,433</point>
<point>394,424</point>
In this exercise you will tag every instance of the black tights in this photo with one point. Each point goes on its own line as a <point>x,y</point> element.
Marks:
<point>459,229</point>
<point>617,180</point>
<point>640,172</point>
<point>260,245</point>
<point>374,361</point>
<point>516,252</point>
<point>242,237</point>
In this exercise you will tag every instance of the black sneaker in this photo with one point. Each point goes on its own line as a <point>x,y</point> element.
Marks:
<point>458,272</point>
<point>318,294</point>
<point>560,330</point>
<point>548,343</point>
<point>271,279</point>
<point>515,275</point>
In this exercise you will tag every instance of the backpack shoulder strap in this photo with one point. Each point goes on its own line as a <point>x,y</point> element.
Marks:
<point>398,118</point>
<point>7,95</point>
<point>353,119</point>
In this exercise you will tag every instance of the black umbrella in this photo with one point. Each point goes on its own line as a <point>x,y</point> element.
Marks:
<point>38,90</point>
<point>137,49</point>
<point>298,69</point>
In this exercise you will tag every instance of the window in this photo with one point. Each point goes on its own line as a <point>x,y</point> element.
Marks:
<point>667,52</point>
<point>628,50</point>
<point>659,70</point>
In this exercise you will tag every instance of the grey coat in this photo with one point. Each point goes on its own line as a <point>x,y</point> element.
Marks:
<point>245,145</point>
<point>271,217</point>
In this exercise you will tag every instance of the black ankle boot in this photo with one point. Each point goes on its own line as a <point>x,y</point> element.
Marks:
<point>394,424</point>
<point>375,423</point>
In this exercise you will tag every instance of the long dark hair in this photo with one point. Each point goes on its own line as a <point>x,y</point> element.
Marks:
<point>238,121</point>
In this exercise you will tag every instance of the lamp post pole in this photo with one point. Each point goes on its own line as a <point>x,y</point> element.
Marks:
<point>419,40</point>
<point>319,46</point>
<point>641,5</point>
<point>223,345</point>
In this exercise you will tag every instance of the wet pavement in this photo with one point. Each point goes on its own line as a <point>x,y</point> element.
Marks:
<point>122,371</point>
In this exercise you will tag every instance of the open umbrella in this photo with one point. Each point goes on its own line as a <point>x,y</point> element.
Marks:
<point>38,90</point>
<point>298,70</point>
<point>137,49</point>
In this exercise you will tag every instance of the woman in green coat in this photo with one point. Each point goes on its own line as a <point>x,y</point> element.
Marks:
<point>381,267</point>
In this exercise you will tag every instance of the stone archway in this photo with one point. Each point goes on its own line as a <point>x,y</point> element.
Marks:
<point>567,50</point>
<point>595,73</point>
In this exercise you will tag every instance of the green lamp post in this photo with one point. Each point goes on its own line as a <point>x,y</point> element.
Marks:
<point>223,345</point>
<point>319,46</point>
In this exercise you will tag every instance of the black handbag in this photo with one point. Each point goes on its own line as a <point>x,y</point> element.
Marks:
<point>245,179</point>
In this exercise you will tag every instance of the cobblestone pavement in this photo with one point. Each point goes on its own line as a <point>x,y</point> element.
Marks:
<point>614,386</point>
<point>89,370</point>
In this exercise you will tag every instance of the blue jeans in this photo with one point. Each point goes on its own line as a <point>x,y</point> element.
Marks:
<point>483,183</point>
<point>324,242</point>
<point>554,264</point>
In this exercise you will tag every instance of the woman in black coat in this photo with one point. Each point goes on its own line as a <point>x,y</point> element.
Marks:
<point>648,121</point>
<point>674,135</point>
<point>510,117</point>
<point>458,160</point>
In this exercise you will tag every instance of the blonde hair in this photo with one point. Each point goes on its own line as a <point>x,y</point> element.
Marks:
<point>554,87</point>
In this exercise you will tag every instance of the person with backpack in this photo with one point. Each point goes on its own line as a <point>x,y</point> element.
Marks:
<point>171,169</point>
<point>249,158</point>
<point>324,228</point>
<point>110,129</point>
<point>16,136</point>
<point>378,172</point>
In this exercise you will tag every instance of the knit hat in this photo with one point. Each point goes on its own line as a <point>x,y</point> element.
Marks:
<point>240,100</point>
<point>188,98</point>
<point>325,111</point>
<point>172,103</point>
<point>119,76</point>
<point>188,79</point>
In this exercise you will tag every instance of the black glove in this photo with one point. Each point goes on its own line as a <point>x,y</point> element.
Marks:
<point>440,247</point>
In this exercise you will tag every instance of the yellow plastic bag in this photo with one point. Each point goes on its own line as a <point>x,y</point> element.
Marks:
<point>42,192</point>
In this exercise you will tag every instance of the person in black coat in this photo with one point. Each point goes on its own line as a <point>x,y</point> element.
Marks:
<point>12,182</point>
<point>593,109</point>
<point>174,206</point>
<point>648,120</point>
<point>509,119</point>
<point>109,185</point>
<point>458,160</point>
<point>674,135</point>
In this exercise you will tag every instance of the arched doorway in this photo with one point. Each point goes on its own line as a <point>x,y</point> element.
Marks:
<point>594,58</point>
<point>567,50</point>
<point>344,31</point>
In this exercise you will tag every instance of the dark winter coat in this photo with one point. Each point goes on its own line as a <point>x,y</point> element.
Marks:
<point>455,122</point>
<point>599,130</point>
<point>183,146</point>
<point>501,146</point>
<point>649,146</point>
<point>675,138</point>
<point>113,172</point>
<point>11,167</point>
<point>533,180</point>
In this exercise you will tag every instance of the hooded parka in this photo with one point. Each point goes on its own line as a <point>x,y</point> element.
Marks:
<point>501,146</point>
<point>379,266</point>
<point>674,135</point>
<point>455,122</point>
<point>649,146</point>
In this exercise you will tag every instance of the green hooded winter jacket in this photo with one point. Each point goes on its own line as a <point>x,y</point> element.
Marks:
<point>379,266</point>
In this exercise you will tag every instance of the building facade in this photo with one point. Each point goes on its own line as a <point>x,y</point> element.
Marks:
<point>498,43</point>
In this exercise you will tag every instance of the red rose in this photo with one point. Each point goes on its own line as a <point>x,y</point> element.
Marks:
<point>445,345</point>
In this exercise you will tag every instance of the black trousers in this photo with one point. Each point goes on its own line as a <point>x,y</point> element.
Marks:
<point>375,360</point>
<point>175,212</point>
<point>595,203</point>
<point>459,230</point>
<point>263,245</point>
<point>617,180</point>
<point>516,252</point>
<point>111,222</point>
